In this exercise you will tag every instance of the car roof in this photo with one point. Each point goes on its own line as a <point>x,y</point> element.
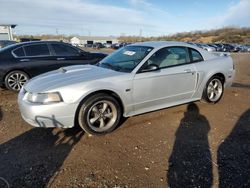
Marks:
<point>37,42</point>
<point>13,46</point>
<point>159,44</point>
<point>7,41</point>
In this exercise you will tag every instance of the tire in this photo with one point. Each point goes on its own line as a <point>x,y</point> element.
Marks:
<point>99,114</point>
<point>15,80</point>
<point>214,90</point>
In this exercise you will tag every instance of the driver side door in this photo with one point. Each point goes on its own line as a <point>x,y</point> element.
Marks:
<point>173,83</point>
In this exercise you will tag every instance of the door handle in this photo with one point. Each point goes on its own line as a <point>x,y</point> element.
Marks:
<point>60,58</point>
<point>187,70</point>
<point>24,60</point>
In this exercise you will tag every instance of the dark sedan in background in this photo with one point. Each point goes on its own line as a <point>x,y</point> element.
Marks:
<point>22,61</point>
<point>4,43</point>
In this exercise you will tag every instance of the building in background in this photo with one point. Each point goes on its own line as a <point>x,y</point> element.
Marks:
<point>90,40</point>
<point>6,31</point>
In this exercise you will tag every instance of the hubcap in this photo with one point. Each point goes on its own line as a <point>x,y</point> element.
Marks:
<point>214,90</point>
<point>16,81</point>
<point>102,115</point>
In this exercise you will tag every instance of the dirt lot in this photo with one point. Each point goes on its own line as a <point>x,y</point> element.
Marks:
<point>197,145</point>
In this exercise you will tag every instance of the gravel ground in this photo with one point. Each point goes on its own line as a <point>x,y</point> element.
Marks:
<point>194,145</point>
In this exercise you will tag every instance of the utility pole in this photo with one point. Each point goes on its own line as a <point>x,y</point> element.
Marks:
<point>140,34</point>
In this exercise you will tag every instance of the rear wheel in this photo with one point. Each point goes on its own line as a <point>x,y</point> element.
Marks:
<point>15,80</point>
<point>99,114</point>
<point>214,90</point>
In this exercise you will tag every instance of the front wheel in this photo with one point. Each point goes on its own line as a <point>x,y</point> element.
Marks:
<point>214,90</point>
<point>15,80</point>
<point>99,114</point>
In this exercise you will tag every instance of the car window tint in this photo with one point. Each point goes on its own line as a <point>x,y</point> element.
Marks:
<point>19,52</point>
<point>125,59</point>
<point>170,56</point>
<point>64,50</point>
<point>37,50</point>
<point>196,55</point>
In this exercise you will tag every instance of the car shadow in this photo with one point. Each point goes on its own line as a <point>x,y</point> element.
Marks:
<point>121,123</point>
<point>233,155</point>
<point>240,85</point>
<point>33,158</point>
<point>42,120</point>
<point>1,114</point>
<point>190,163</point>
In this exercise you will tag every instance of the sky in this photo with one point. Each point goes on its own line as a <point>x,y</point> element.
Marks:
<point>122,17</point>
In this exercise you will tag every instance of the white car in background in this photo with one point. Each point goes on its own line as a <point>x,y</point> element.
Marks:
<point>136,79</point>
<point>107,45</point>
<point>207,47</point>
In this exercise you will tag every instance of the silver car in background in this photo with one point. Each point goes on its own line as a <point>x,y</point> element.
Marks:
<point>135,79</point>
<point>206,47</point>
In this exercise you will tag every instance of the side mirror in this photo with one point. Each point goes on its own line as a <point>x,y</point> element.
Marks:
<point>150,67</point>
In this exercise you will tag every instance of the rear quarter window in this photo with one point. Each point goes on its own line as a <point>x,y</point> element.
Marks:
<point>196,56</point>
<point>19,52</point>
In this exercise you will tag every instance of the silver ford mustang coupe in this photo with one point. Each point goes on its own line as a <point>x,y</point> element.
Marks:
<point>135,79</point>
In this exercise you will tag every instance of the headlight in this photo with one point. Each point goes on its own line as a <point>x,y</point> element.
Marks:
<point>43,98</point>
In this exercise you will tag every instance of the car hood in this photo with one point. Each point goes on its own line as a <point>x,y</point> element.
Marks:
<point>67,76</point>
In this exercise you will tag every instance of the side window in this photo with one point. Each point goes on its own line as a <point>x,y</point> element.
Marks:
<point>64,50</point>
<point>196,56</point>
<point>170,56</point>
<point>37,50</point>
<point>19,52</point>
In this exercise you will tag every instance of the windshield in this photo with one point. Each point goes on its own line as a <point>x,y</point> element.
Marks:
<point>125,59</point>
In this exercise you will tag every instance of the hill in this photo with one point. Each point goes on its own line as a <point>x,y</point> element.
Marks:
<point>223,35</point>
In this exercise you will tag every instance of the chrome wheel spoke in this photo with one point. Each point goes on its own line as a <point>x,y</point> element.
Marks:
<point>211,95</point>
<point>23,79</point>
<point>18,86</point>
<point>14,76</point>
<point>12,84</point>
<point>217,92</point>
<point>11,79</point>
<point>102,123</point>
<point>109,115</point>
<point>105,106</point>
<point>95,109</point>
<point>94,119</point>
<point>18,76</point>
<point>215,85</point>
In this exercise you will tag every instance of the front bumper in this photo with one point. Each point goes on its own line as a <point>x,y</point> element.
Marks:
<point>52,115</point>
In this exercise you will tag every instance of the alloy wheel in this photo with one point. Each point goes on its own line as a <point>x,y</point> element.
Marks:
<point>102,115</point>
<point>214,90</point>
<point>16,80</point>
